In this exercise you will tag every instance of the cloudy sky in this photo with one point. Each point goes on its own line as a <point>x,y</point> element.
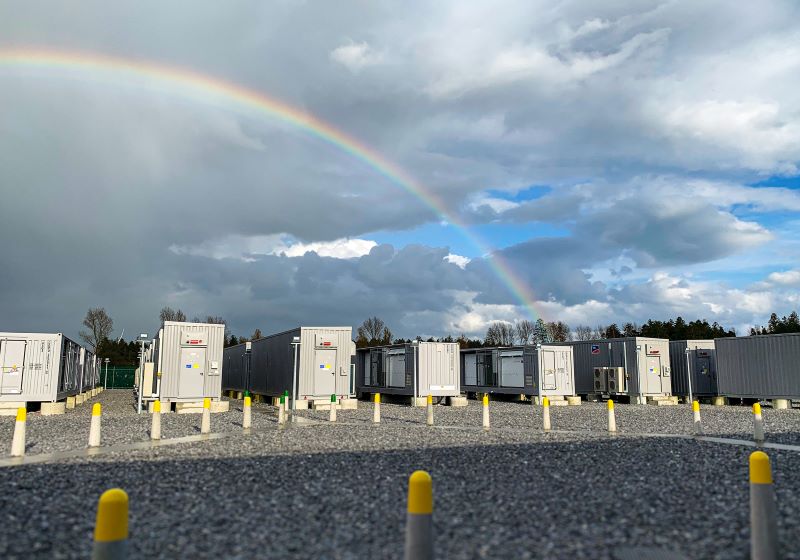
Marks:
<point>631,161</point>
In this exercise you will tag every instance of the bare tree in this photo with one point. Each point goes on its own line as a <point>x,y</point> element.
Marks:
<point>169,314</point>
<point>256,335</point>
<point>525,330</point>
<point>500,334</point>
<point>583,332</point>
<point>558,332</point>
<point>214,320</point>
<point>100,326</point>
<point>372,329</point>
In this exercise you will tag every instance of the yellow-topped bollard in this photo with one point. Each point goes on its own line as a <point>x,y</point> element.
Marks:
<point>155,425</point>
<point>486,411</point>
<point>419,517</point>
<point>546,414</point>
<point>18,440</point>
<point>763,510</point>
<point>247,413</point>
<point>758,423</point>
<point>205,423</point>
<point>376,408</point>
<point>111,526</point>
<point>430,410</point>
<point>94,427</point>
<point>698,426</point>
<point>612,419</point>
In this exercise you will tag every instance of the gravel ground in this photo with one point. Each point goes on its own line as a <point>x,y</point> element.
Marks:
<point>338,491</point>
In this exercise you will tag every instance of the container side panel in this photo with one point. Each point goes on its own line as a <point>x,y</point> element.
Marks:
<point>765,366</point>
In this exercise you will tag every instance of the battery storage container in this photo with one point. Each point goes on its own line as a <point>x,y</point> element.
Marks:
<point>236,367</point>
<point>701,365</point>
<point>762,367</point>
<point>37,367</point>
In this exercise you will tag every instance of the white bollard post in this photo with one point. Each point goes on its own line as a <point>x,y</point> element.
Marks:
<point>281,410</point>
<point>247,414</point>
<point>155,426</point>
<point>205,423</point>
<point>758,423</point>
<point>486,411</point>
<point>332,417</point>
<point>612,420</point>
<point>111,527</point>
<point>698,426</point>
<point>18,441</point>
<point>430,410</point>
<point>376,411</point>
<point>419,518</point>
<point>763,510</point>
<point>546,414</point>
<point>94,428</point>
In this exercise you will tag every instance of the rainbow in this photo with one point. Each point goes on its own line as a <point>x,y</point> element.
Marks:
<point>192,84</point>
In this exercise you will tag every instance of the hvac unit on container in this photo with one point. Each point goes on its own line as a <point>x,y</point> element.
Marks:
<point>38,367</point>
<point>310,363</point>
<point>762,367</point>
<point>186,363</point>
<point>695,359</point>
<point>535,371</point>
<point>415,369</point>
<point>637,367</point>
<point>236,367</point>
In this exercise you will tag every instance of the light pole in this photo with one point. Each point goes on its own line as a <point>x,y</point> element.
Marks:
<point>415,345</point>
<point>142,339</point>
<point>295,344</point>
<point>105,383</point>
<point>689,375</point>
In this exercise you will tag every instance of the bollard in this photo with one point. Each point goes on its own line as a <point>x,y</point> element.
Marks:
<point>94,428</point>
<point>430,410</point>
<point>18,441</point>
<point>205,423</point>
<point>376,411</point>
<point>546,414</point>
<point>763,510</point>
<point>486,411</point>
<point>758,423</point>
<point>247,416</point>
<point>155,427</point>
<point>419,519</point>
<point>698,427</point>
<point>111,527</point>
<point>333,409</point>
<point>281,411</point>
<point>286,402</point>
<point>612,421</point>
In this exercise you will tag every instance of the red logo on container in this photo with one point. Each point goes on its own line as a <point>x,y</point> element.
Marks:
<point>326,343</point>
<point>194,342</point>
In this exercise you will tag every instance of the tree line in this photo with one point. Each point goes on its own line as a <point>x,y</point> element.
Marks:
<point>784,325</point>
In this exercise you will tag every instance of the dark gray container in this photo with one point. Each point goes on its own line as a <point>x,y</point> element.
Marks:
<point>236,367</point>
<point>391,369</point>
<point>547,370</point>
<point>763,367</point>
<point>323,366</point>
<point>702,364</point>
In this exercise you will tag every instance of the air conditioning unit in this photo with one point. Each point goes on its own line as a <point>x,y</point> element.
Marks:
<point>616,380</point>
<point>599,380</point>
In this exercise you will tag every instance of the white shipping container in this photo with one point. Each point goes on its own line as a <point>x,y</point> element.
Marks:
<point>37,367</point>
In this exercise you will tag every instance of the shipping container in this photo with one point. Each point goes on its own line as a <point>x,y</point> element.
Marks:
<point>630,366</point>
<point>36,367</point>
<point>236,367</point>
<point>700,361</point>
<point>308,362</point>
<point>546,370</point>
<point>187,359</point>
<point>89,370</point>
<point>762,367</point>
<point>413,369</point>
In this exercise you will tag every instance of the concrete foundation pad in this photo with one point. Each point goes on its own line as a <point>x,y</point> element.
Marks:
<point>189,407</point>
<point>780,404</point>
<point>558,403</point>
<point>456,401</point>
<point>239,395</point>
<point>719,401</point>
<point>10,408</point>
<point>302,404</point>
<point>574,401</point>
<point>419,401</point>
<point>70,402</point>
<point>321,404</point>
<point>220,406</point>
<point>348,404</point>
<point>53,408</point>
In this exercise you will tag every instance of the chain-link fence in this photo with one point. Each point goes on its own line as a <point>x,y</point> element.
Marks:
<point>118,377</point>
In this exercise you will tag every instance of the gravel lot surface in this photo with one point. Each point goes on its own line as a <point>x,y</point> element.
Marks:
<point>316,490</point>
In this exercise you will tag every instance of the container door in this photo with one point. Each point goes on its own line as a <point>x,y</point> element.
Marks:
<point>397,368</point>
<point>193,373</point>
<point>470,370</point>
<point>12,360</point>
<point>485,366</point>
<point>653,374</point>
<point>512,371</point>
<point>324,371</point>
<point>549,371</point>
<point>703,374</point>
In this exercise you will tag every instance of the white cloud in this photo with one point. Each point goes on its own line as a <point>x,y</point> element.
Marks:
<point>356,56</point>
<point>458,260</point>
<point>788,278</point>
<point>247,248</point>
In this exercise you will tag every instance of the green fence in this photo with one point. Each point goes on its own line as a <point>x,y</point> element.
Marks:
<point>119,377</point>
